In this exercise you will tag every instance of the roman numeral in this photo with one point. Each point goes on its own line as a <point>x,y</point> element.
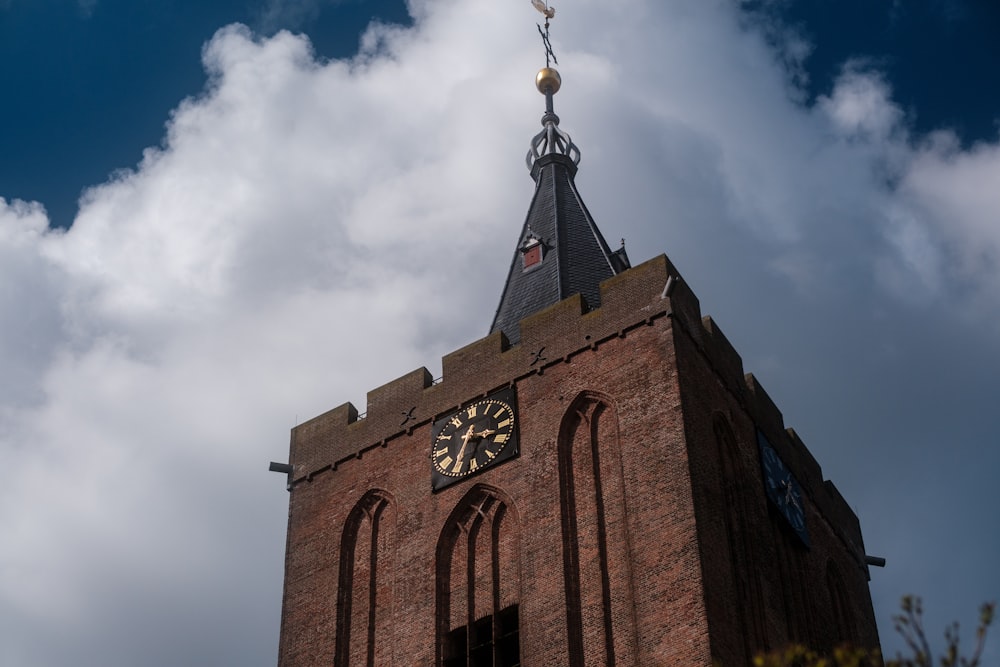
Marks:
<point>445,462</point>
<point>472,411</point>
<point>455,421</point>
<point>505,422</point>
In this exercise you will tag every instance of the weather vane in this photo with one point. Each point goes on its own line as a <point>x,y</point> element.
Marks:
<point>548,12</point>
<point>551,140</point>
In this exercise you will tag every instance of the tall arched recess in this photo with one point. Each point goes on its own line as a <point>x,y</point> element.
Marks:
<point>749,608</point>
<point>479,582</point>
<point>365,588</point>
<point>843,629</point>
<point>596,559</point>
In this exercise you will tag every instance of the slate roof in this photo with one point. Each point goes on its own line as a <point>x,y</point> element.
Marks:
<point>576,257</point>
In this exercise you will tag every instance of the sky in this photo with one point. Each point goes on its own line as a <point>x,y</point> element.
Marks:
<point>221,219</point>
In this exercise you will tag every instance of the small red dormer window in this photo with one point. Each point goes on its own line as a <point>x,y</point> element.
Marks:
<point>532,252</point>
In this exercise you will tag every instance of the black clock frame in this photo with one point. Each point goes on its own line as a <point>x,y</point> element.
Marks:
<point>482,456</point>
<point>782,489</point>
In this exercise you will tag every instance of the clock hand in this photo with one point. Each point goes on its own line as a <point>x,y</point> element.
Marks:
<point>790,495</point>
<point>793,501</point>
<point>461,452</point>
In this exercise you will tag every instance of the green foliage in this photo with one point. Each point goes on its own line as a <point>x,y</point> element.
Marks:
<point>800,656</point>
<point>909,624</point>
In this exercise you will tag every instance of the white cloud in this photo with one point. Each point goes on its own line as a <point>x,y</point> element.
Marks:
<point>305,231</point>
<point>914,272</point>
<point>274,14</point>
<point>956,193</point>
<point>29,289</point>
<point>86,7</point>
<point>939,199</point>
<point>861,105</point>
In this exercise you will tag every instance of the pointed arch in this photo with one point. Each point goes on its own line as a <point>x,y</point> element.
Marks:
<point>736,513</point>
<point>364,591</point>
<point>599,599</point>
<point>797,587</point>
<point>843,620</point>
<point>478,582</point>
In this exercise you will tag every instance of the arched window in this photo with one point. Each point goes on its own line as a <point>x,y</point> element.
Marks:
<point>599,600</point>
<point>364,593</point>
<point>478,583</point>
<point>735,512</point>
<point>840,606</point>
<point>796,575</point>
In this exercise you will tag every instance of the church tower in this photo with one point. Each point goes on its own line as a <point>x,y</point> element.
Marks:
<point>595,482</point>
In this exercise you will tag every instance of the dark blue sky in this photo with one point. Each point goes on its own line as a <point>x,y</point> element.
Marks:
<point>941,56</point>
<point>85,90</point>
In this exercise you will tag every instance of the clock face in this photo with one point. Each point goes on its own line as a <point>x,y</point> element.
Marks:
<point>473,439</point>
<point>782,489</point>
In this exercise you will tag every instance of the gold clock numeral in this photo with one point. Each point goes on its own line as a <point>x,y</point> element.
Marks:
<point>472,439</point>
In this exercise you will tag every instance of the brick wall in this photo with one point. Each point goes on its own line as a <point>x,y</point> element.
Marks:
<point>631,508</point>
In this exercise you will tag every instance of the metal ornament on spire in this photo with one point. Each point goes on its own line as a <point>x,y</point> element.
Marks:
<point>548,13</point>
<point>550,55</point>
<point>551,140</point>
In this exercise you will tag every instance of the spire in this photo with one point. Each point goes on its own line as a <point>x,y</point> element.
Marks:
<point>560,251</point>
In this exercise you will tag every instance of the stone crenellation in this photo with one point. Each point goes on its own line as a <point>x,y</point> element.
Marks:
<point>630,299</point>
<point>638,457</point>
<point>650,294</point>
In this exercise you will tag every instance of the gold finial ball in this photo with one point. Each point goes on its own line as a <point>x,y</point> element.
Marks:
<point>548,79</point>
